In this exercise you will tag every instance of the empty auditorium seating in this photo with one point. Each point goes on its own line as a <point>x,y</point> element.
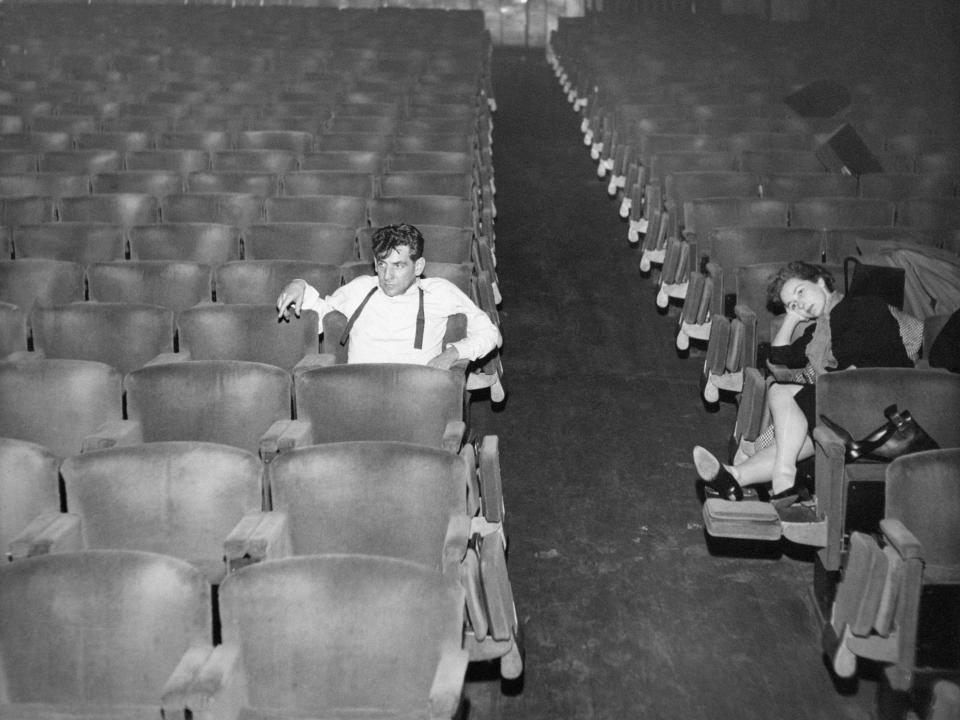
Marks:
<point>97,629</point>
<point>207,243</point>
<point>81,243</point>
<point>174,285</point>
<point>123,335</point>
<point>262,281</point>
<point>391,626</point>
<point>248,332</point>
<point>58,403</point>
<point>220,401</point>
<point>174,498</point>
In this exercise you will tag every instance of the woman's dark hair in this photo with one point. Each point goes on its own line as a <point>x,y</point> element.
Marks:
<point>796,269</point>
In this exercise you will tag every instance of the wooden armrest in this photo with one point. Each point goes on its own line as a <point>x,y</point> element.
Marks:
<point>453,435</point>
<point>170,357</point>
<point>258,536</point>
<point>498,595</point>
<point>446,689</point>
<point>473,593</point>
<point>113,433</point>
<point>209,682</point>
<point>455,542</point>
<point>903,541</point>
<point>48,533</point>
<point>285,435</point>
<point>314,360</point>
<point>491,484</point>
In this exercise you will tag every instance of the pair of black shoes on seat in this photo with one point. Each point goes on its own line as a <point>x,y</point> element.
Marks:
<point>717,481</point>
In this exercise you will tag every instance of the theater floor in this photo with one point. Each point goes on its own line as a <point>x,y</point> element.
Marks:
<point>628,612</point>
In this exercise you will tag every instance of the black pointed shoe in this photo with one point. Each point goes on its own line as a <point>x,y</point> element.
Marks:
<point>715,478</point>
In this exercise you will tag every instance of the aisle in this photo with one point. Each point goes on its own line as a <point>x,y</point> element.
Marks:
<point>626,612</point>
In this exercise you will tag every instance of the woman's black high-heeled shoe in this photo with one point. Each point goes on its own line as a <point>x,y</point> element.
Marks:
<point>718,479</point>
<point>856,449</point>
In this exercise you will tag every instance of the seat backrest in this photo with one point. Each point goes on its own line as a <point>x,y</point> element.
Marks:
<point>222,401</point>
<point>26,210</point>
<point>454,184</point>
<point>796,186</point>
<point>355,161</point>
<point>703,215</point>
<point>175,498</point>
<point>82,162</point>
<point>151,182</point>
<point>347,210</point>
<point>353,141</point>
<point>856,398</point>
<point>406,403</point>
<point>380,622</point>
<point>737,246</point>
<point>270,161</point>
<point>98,628</point>
<point>237,209</point>
<point>780,161</point>
<point>29,486</point>
<point>174,285</point>
<point>373,498</point>
<point>894,186</point>
<point>940,214</point>
<point>665,162</point>
<point>41,281</point>
<point>422,210</point>
<point>326,243</point>
<point>837,212</point>
<point>125,209</point>
<point>208,243</point>
<point>260,184</point>
<point>124,335</point>
<point>428,161</point>
<point>247,332</point>
<point>82,243</point>
<point>181,160</point>
<point>56,403</point>
<point>328,182</point>
<point>259,282</point>
<point>923,491</point>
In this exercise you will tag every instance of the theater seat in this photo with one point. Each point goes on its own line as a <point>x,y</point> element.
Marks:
<point>248,332</point>
<point>295,630</point>
<point>850,496</point>
<point>260,282</point>
<point>894,582</point>
<point>174,498</point>
<point>82,243</point>
<point>174,285</point>
<point>207,243</point>
<point>326,243</point>
<point>97,633</point>
<point>40,281</point>
<point>406,403</point>
<point>29,486</point>
<point>58,403</point>
<point>222,401</point>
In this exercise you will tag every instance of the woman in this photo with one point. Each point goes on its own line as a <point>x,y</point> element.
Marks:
<point>847,332</point>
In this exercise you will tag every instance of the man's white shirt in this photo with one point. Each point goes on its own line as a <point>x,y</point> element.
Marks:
<point>386,327</point>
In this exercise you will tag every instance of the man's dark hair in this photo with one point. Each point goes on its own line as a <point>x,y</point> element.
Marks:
<point>799,270</point>
<point>390,237</point>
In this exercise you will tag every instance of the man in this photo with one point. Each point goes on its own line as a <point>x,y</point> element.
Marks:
<point>398,316</point>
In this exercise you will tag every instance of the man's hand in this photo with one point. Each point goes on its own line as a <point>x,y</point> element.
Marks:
<point>292,295</point>
<point>445,360</point>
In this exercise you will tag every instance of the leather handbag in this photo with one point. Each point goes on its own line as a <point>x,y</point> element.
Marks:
<point>886,281</point>
<point>900,435</point>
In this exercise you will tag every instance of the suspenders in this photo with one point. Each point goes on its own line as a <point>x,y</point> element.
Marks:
<point>418,339</point>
